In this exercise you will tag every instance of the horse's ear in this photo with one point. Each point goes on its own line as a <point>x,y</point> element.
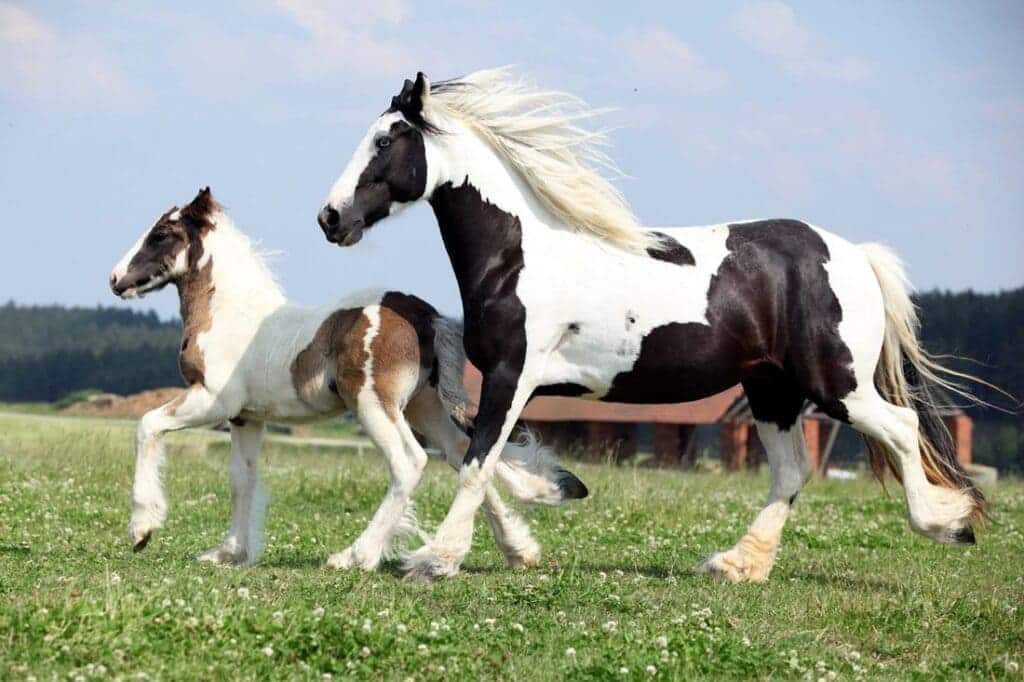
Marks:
<point>413,96</point>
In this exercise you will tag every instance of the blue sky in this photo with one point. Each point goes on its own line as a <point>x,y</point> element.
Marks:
<point>900,122</point>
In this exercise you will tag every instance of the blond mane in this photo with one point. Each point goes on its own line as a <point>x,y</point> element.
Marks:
<point>540,134</point>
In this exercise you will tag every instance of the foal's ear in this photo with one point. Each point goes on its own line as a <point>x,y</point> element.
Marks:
<point>203,205</point>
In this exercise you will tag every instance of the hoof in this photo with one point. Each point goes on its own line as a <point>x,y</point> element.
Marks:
<point>141,543</point>
<point>528,558</point>
<point>224,556</point>
<point>734,567</point>
<point>348,559</point>
<point>962,536</point>
<point>424,566</point>
<point>570,486</point>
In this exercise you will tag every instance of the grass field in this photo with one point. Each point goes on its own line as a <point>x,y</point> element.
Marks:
<point>854,593</point>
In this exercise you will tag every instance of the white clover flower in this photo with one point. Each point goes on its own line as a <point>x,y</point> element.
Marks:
<point>243,593</point>
<point>651,670</point>
<point>268,651</point>
<point>423,649</point>
<point>192,622</point>
<point>489,622</point>
<point>623,670</point>
<point>570,652</point>
<point>610,626</point>
<point>327,677</point>
<point>115,579</point>
<point>278,618</point>
<point>401,628</point>
<point>518,627</point>
<point>661,642</point>
<point>1012,666</point>
<point>318,612</point>
<point>365,652</point>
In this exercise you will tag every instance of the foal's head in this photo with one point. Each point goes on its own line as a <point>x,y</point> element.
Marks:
<point>167,251</point>
<point>388,170</point>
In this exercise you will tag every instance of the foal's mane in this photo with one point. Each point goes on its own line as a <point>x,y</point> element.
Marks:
<point>540,134</point>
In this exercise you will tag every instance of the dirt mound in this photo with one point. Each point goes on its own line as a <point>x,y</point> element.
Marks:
<point>133,406</point>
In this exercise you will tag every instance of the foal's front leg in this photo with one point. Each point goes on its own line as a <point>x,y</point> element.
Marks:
<point>195,407</point>
<point>243,543</point>
<point>503,395</point>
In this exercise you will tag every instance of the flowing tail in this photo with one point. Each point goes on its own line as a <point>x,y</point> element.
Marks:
<point>906,375</point>
<point>528,469</point>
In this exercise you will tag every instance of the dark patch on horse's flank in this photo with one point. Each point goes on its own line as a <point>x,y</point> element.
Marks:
<point>484,245</point>
<point>566,389</point>
<point>773,324</point>
<point>671,251</point>
<point>238,421</point>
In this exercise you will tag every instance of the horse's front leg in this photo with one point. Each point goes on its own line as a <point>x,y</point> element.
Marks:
<point>503,395</point>
<point>243,543</point>
<point>149,504</point>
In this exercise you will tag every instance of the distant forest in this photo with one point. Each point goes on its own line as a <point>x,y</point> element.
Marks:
<point>47,352</point>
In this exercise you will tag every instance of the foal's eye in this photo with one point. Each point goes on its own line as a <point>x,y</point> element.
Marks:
<point>383,142</point>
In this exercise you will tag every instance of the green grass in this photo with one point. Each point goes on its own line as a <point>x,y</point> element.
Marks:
<point>854,593</point>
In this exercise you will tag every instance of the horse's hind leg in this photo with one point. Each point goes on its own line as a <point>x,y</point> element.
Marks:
<point>428,416</point>
<point>404,467</point>
<point>934,511</point>
<point>243,543</point>
<point>776,405</point>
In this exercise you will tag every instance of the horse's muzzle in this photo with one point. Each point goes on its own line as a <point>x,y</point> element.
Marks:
<point>337,233</point>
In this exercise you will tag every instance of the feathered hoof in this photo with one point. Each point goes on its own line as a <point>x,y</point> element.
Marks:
<point>224,556</point>
<point>425,566</point>
<point>526,557</point>
<point>733,566</point>
<point>348,559</point>
<point>570,487</point>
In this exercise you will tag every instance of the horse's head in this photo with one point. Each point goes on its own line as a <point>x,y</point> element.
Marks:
<point>388,171</point>
<point>167,251</point>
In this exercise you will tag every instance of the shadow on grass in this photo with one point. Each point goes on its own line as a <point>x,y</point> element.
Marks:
<point>15,551</point>
<point>847,582</point>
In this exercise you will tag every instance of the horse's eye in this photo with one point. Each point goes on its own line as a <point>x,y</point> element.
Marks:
<point>383,142</point>
<point>157,237</point>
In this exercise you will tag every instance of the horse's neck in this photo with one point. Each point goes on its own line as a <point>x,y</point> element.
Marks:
<point>482,208</point>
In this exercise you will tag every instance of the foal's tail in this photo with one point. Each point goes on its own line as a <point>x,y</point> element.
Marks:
<point>905,375</point>
<point>527,468</point>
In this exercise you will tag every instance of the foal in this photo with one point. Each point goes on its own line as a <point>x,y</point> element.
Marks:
<point>249,356</point>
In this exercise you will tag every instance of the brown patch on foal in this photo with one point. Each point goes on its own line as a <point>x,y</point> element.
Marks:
<point>336,354</point>
<point>396,356</point>
<point>196,291</point>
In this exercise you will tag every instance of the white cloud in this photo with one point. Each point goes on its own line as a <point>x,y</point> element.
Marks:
<point>771,27</point>
<point>42,63</point>
<point>657,55</point>
<point>344,37</point>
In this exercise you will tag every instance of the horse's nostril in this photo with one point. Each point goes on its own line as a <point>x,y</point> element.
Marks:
<point>328,217</point>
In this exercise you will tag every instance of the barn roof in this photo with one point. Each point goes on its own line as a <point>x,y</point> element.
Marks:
<point>707,411</point>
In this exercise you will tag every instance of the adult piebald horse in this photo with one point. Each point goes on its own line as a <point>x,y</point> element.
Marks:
<point>565,294</point>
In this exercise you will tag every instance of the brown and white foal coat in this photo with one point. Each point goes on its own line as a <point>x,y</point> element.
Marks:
<point>249,356</point>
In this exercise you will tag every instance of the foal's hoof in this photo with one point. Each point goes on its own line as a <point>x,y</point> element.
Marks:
<point>424,566</point>
<point>141,543</point>
<point>348,558</point>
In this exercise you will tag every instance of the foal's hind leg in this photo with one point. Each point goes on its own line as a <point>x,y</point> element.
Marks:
<point>752,558</point>
<point>243,543</point>
<point>405,468</point>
